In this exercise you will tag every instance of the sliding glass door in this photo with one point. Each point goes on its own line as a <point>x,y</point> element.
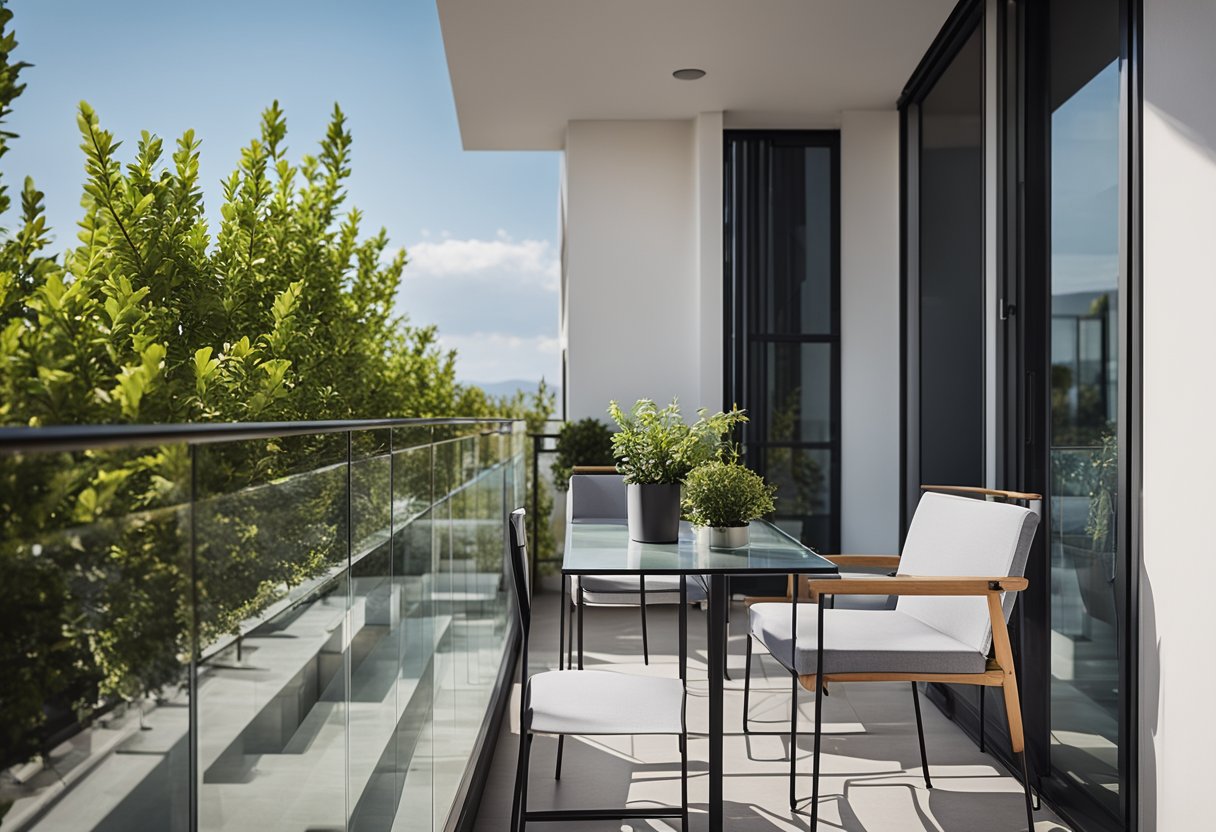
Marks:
<point>1085,151</point>
<point>1064,150</point>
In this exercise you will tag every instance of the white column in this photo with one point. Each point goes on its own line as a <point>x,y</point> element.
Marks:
<point>869,324</point>
<point>1178,676</point>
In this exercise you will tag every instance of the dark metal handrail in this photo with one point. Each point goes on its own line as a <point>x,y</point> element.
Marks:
<point>88,437</point>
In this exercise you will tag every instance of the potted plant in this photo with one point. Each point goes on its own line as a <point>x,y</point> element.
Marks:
<point>654,451</point>
<point>725,497</point>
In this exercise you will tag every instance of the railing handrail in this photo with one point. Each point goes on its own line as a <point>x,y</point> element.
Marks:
<point>89,437</point>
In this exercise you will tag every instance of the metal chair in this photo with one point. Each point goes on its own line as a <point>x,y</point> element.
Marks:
<point>588,702</point>
<point>941,629</point>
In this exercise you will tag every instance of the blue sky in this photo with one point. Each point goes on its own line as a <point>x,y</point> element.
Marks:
<point>480,227</point>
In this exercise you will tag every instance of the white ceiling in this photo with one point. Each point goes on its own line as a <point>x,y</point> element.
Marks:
<point>521,69</point>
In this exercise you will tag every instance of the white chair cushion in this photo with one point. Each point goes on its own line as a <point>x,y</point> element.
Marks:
<point>608,590</point>
<point>960,536</point>
<point>595,702</point>
<point>861,641</point>
<point>596,497</point>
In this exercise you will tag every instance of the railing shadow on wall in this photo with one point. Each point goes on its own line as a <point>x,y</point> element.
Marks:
<point>221,627</point>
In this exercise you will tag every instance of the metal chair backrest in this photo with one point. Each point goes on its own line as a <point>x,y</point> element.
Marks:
<point>519,572</point>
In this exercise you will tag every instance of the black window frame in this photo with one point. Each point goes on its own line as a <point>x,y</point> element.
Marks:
<point>738,337</point>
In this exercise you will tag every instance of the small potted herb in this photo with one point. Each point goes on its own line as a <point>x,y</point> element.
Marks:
<point>724,497</point>
<point>654,451</point>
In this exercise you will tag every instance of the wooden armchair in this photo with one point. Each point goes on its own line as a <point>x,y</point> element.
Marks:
<point>963,562</point>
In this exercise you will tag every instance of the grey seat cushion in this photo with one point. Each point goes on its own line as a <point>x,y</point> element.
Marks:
<point>602,590</point>
<point>862,641</point>
<point>600,702</point>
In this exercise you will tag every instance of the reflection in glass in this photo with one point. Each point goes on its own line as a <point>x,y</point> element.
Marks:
<point>95,613</point>
<point>1085,204</point>
<point>797,403</point>
<point>802,477</point>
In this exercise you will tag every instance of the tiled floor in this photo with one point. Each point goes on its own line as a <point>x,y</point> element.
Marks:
<point>872,775</point>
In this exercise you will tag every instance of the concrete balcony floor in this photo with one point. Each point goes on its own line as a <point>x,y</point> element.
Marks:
<point>872,774</point>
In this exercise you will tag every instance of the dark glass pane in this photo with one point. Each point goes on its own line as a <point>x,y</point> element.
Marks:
<point>951,273</point>
<point>793,384</point>
<point>796,295</point>
<point>804,496</point>
<point>1086,131</point>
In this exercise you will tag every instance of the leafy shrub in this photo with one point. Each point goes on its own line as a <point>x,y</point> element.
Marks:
<point>722,494</point>
<point>656,446</point>
<point>284,310</point>
<point>585,442</point>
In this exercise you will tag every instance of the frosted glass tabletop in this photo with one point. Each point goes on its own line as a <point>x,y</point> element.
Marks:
<point>597,547</point>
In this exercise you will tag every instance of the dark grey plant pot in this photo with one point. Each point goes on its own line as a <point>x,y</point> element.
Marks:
<point>654,513</point>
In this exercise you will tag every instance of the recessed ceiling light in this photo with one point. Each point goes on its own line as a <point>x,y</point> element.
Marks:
<point>688,74</point>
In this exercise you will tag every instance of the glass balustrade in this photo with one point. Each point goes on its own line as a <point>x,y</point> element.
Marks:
<point>282,631</point>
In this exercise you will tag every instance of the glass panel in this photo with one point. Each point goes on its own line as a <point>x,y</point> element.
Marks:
<point>951,274</point>
<point>804,499</point>
<point>796,392</point>
<point>273,542</point>
<point>376,634</point>
<point>797,295</point>
<point>348,597</point>
<point>445,774</point>
<point>1086,131</point>
<point>94,604</point>
<point>413,570</point>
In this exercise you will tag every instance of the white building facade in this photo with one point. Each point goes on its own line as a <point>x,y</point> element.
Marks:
<point>1018,267</point>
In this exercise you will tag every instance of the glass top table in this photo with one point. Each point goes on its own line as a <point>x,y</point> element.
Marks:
<point>603,547</point>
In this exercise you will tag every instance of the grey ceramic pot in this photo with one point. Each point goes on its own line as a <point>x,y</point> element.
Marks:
<point>727,537</point>
<point>654,513</point>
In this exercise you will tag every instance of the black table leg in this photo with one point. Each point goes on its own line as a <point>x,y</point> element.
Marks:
<point>717,665</point>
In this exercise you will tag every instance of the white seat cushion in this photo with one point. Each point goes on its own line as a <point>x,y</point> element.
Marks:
<point>595,702</point>
<point>951,536</point>
<point>602,590</point>
<point>860,641</point>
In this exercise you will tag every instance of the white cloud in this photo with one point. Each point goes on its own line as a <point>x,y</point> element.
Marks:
<point>531,261</point>
<point>501,356</point>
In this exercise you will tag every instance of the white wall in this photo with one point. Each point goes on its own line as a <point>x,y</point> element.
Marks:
<point>869,320</point>
<point>633,302</point>
<point>709,254</point>
<point>1178,676</point>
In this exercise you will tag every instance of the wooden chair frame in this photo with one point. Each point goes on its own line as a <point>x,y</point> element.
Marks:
<point>891,562</point>
<point>1000,671</point>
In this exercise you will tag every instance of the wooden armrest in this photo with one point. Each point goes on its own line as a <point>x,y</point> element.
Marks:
<point>593,469</point>
<point>917,585</point>
<point>987,492</point>
<point>884,561</point>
